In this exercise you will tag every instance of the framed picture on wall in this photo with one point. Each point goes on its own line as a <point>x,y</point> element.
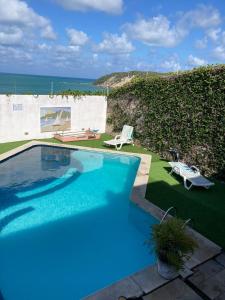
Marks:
<point>54,119</point>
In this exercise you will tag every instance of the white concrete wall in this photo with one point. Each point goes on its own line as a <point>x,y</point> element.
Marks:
<point>86,112</point>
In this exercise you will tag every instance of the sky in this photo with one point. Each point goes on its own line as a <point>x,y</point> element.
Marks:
<point>91,38</point>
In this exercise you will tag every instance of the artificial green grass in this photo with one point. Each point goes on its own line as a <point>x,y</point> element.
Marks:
<point>9,146</point>
<point>205,207</point>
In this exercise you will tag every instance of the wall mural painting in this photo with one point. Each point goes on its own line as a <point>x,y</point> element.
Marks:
<point>55,119</point>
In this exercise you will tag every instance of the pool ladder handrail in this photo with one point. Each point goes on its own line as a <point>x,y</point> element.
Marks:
<point>188,221</point>
<point>167,212</point>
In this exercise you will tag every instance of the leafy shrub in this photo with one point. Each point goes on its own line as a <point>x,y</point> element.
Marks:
<point>185,111</point>
<point>172,243</point>
<point>78,93</point>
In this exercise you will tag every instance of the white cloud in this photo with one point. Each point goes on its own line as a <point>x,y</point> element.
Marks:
<point>158,31</point>
<point>218,38</point>
<point>222,38</point>
<point>108,64</point>
<point>196,61</point>
<point>108,6</point>
<point>66,50</point>
<point>95,56</point>
<point>142,65</point>
<point>213,33</point>
<point>203,17</point>
<point>18,14</point>
<point>155,31</point>
<point>115,44</point>
<point>44,47</point>
<point>76,37</point>
<point>9,54</point>
<point>201,44</point>
<point>48,33</point>
<point>171,64</point>
<point>10,35</point>
<point>219,53</point>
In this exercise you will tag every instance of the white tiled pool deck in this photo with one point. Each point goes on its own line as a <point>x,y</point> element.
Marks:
<point>147,280</point>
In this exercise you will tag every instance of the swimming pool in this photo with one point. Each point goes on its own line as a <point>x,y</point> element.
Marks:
<point>67,226</point>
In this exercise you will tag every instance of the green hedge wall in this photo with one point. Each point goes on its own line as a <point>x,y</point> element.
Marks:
<point>185,111</point>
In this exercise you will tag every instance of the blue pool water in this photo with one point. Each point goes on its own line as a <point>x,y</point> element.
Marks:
<point>67,226</point>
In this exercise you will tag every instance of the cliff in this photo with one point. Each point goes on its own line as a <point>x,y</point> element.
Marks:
<point>119,79</point>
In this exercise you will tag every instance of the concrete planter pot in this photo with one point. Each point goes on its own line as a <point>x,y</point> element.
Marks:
<point>165,270</point>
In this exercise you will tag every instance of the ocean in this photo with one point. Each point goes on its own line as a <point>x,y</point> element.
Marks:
<point>42,85</point>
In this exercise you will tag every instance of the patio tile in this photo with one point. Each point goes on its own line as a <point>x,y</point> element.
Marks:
<point>213,287</point>
<point>149,279</point>
<point>127,288</point>
<point>185,273</point>
<point>205,271</point>
<point>221,297</point>
<point>206,250</point>
<point>174,290</point>
<point>221,259</point>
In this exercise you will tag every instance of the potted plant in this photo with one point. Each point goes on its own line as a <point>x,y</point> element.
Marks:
<point>172,245</point>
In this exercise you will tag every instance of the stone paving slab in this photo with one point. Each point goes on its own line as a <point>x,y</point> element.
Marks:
<point>214,287</point>
<point>127,288</point>
<point>221,259</point>
<point>205,251</point>
<point>205,271</point>
<point>221,297</point>
<point>148,279</point>
<point>185,273</point>
<point>209,278</point>
<point>174,290</point>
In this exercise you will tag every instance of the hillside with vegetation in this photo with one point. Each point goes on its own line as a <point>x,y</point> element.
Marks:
<point>185,111</point>
<point>118,79</point>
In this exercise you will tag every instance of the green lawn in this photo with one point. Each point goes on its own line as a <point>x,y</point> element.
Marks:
<point>9,146</point>
<point>205,207</point>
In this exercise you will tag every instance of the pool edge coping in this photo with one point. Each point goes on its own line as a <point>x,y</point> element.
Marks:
<point>137,282</point>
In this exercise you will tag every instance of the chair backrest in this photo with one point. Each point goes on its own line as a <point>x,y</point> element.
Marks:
<point>127,132</point>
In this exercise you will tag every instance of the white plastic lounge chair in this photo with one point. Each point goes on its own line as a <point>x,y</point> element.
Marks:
<point>126,137</point>
<point>191,175</point>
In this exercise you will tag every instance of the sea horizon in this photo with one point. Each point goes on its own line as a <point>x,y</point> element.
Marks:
<point>44,75</point>
<point>13,83</point>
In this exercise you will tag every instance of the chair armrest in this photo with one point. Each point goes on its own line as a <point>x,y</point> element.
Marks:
<point>117,137</point>
<point>195,169</point>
